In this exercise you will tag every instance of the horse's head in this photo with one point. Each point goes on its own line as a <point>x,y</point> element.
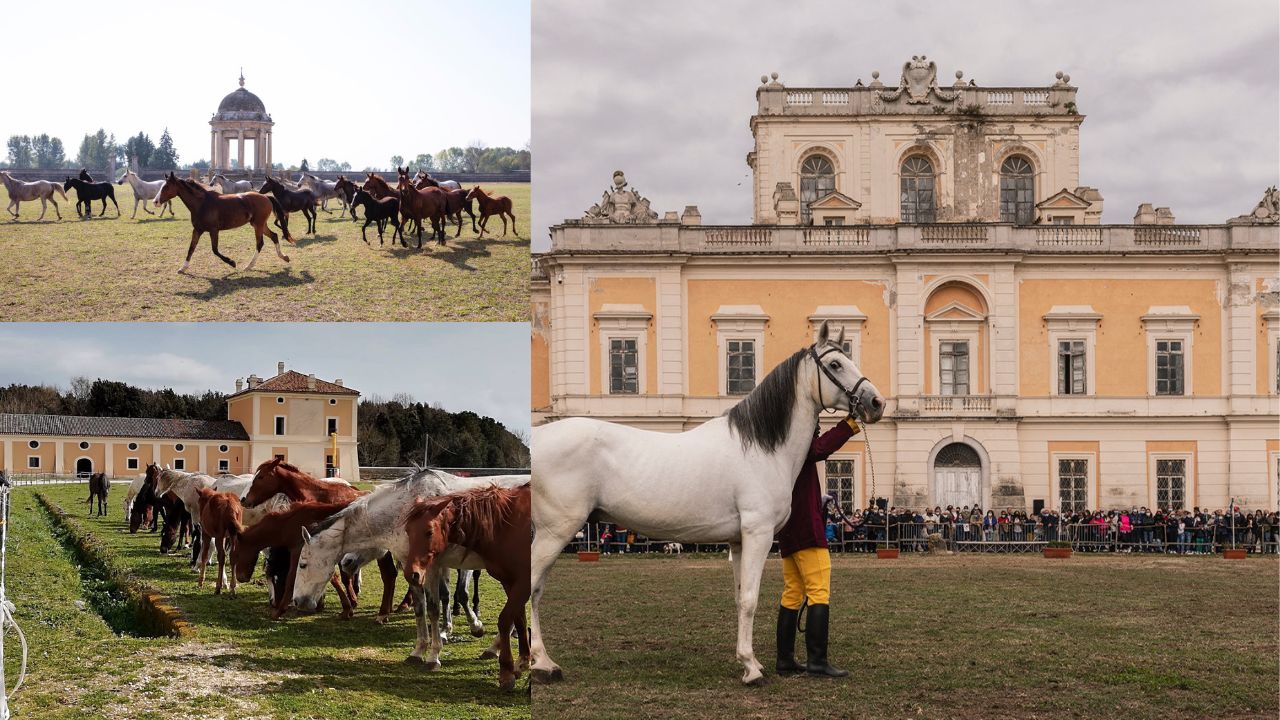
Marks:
<point>840,384</point>
<point>66,185</point>
<point>269,185</point>
<point>404,183</point>
<point>152,475</point>
<point>265,484</point>
<point>169,190</point>
<point>316,558</point>
<point>426,526</point>
<point>474,193</point>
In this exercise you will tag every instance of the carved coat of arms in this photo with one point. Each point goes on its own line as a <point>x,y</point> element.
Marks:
<point>919,78</point>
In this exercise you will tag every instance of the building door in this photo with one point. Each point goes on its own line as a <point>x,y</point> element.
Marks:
<point>957,476</point>
<point>84,468</point>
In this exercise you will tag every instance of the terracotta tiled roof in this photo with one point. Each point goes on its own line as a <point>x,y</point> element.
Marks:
<point>296,382</point>
<point>76,426</point>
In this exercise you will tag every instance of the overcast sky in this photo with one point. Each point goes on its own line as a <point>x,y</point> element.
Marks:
<point>352,81</point>
<point>481,367</point>
<point>1180,97</point>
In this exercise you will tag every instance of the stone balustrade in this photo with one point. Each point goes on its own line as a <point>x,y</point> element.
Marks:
<point>970,100</point>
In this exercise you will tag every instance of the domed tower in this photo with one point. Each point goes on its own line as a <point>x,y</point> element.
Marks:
<point>241,116</point>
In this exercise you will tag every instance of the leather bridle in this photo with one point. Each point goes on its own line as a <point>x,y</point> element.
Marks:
<point>851,393</point>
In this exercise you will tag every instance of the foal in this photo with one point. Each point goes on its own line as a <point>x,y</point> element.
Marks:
<point>146,502</point>
<point>499,205</point>
<point>380,211</point>
<point>220,515</point>
<point>87,192</point>
<point>303,199</point>
<point>348,190</point>
<point>212,212</point>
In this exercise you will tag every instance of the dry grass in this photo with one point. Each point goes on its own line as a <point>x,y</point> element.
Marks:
<point>108,269</point>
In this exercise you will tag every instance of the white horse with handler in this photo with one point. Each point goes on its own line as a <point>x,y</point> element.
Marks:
<point>20,191</point>
<point>728,480</point>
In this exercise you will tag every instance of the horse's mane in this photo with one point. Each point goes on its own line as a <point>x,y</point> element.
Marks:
<point>477,513</point>
<point>763,417</point>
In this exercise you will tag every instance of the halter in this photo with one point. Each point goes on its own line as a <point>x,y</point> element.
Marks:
<point>851,393</point>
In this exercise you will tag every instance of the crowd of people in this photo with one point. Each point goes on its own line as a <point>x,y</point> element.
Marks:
<point>1142,530</point>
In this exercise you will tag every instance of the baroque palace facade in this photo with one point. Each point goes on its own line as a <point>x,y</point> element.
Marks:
<point>304,420</point>
<point>1030,354</point>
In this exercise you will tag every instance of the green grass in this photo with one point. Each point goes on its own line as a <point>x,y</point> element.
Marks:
<point>237,662</point>
<point>109,269</point>
<point>954,637</point>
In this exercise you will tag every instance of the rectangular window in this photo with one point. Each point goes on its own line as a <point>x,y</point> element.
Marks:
<point>332,426</point>
<point>132,463</point>
<point>1059,220</point>
<point>624,366</point>
<point>179,464</point>
<point>840,483</point>
<point>741,367</point>
<point>953,367</point>
<point>279,456</point>
<point>833,221</point>
<point>1073,484</point>
<point>1071,367</point>
<point>33,462</point>
<point>1169,372</point>
<point>1171,483</point>
<point>224,465</point>
<point>279,424</point>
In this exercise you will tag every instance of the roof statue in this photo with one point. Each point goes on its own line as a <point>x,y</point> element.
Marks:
<point>621,206</point>
<point>919,78</point>
<point>1266,212</point>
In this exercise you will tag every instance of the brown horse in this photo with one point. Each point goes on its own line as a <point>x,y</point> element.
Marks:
<point>147,508</point>
<point>456,203</point>
<point>220,525</point>
<point>499,205</point>
<point>494,523</point>
<point>212,212</point>
<point>425,204</point>
<point>377,187</point>
<point>348,190</point>
<point>99,487</point>
<point>276,476</point>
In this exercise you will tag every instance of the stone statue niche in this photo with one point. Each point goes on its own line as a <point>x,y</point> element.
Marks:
<point>621,206</point>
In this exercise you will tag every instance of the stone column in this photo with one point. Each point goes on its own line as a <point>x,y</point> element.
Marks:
<point>240,152</point>
<point>269,164</point>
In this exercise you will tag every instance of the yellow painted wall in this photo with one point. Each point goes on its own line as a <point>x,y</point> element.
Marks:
<point>47,452</point>
<point>237,456</point>
<point>540,372</point>
<point>241,410</point>
<point>626,291</point>
<point>71,452</point>
<point>190,454</point>
<point>1063,447</point>
<point>788,303</point>
<point>1262,357</point>
<point>1121,336</point>
<point>280,451</point>
<point>121,454</point>
<point>1176,446</point>
<point>343,410</point>
<point>963,295</point>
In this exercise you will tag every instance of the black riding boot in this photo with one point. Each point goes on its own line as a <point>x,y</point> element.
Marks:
<point>815,643</point>
<point>786,664</point>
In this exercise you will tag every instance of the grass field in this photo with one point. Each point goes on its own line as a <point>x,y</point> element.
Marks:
<point>925,637</point>
<point>237,664</point>
<point>109,269</point>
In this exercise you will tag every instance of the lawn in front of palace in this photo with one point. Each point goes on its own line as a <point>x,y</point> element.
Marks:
<point>108,269</point>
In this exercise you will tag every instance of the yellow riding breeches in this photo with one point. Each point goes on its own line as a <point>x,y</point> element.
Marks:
<point>806,573</point>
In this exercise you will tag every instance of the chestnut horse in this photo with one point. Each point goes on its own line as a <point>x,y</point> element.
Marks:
<point>220,515</point>
<point>99,487</point>
<point>425,204</point>
<point>378,187</point>
<point>276,476</point>
<point>212,212</point>
<point>494,523</point>
<point>499,205</point>
<point>456,203</point>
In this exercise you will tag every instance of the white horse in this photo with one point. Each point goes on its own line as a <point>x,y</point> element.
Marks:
<point>144,191</point>
<point>135,487</point>
<point>41,190</point>
<point>728,480</point>
<point>374,524</point>
<point>230,186</point>
<point>446,184</point>
<point>325,190</point>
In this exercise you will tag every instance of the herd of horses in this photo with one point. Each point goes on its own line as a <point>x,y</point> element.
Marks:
<point>223,204</point>
<point>315,533</point>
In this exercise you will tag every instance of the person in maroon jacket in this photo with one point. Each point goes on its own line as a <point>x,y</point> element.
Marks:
<point>806,562</point>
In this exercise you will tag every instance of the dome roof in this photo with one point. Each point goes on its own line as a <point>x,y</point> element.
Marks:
<point>242,105</point>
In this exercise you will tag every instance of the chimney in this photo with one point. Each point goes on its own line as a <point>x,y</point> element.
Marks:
<point>311,381</point>
<point>279,368</point>
<point>338,382</point>
<point>253,381</point>
<point>239,384</point>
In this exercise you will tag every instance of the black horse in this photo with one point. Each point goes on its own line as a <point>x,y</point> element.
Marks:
<point>87,192</point>
<point>177,524</point>
<point>147,505</point>
<point>380,211</point>
<point>99,487</point>
<point>85,176</point>
<point>290,200</point>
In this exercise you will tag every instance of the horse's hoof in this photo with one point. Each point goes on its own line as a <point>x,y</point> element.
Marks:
<point>477,632</point>
<point>414,660</point>
<point>757,681</point>
<point>286,258</point>
<point>507,684</point>
<point>380,619</point>
<point>488,654</point>
<point>431,666</point>
<point>545,677</point>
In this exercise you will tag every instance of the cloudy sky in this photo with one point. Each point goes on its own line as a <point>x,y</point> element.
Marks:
<point>355,82</point>
<point>1180,97</point>
<point>482,367</point>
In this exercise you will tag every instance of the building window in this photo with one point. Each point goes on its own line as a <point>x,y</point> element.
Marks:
<point>179,447</point>
<point>953,367</point>
<point>84,445</point>
<point>279,457</point>
<point>817,179</point>
<point>33,462</point>
<point>333,401</point>
<point>1017,191</point>
<point>1071,367</point>
<point>131,463</point>
<point>133,446</point>
<point>833,221</point>
<point>1060,220</point>
<point>179,463</point>
<point>222,448</point>
<point>331,426</point>
<point>1169,367</point>
<point>33,444</point>
<point>224,465</point>
<point>279,424</point>
<point>624,366</point>
<point>1171,483</point>
<point>917,197</point>
<point>740,361</point>
<point>279,401</point>
<point>840,483</point>
<point>1073,484</point>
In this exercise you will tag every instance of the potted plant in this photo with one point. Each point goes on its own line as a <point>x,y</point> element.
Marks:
<point>884,552</point>
<point>1057,549</point>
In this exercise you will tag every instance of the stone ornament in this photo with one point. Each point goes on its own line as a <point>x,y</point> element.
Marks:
<point>621,206</point>
<point>1266,212</point>
<point>919,79</point>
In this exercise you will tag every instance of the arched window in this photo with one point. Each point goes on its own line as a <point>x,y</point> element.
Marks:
<point>917,190</point>
<point>817,178</point>
<point>1017,191</point>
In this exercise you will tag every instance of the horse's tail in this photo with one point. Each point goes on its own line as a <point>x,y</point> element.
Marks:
<point>282,218</point>
<point>60,191</point>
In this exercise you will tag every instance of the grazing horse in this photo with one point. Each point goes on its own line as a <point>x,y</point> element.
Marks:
<point>492,522</point>
<point>212,212</point>
<point>325,191</point>
<point>348,190</point>
<point>146,502</point>
<point>220,514</point>
<point>99,487</point>
<point>177,530</point>
<point>729,480</point>
<point>425,204</point>
<point>302,199</point>
<point>143,191</point>
<point>41,190</point>
<point>276,476</point>
<point>499,205</point>
<point>229,187</point>
<point>380,211</point>
<point>186,487</point>
<point>87,192</point>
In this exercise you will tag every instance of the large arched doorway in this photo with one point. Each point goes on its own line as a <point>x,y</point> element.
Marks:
<point>84,468</point>
<point>957,476</point>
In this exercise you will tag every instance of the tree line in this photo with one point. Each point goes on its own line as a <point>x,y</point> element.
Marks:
<point>475,158</point>
<point>390,432</point>
<point>96,151</point>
